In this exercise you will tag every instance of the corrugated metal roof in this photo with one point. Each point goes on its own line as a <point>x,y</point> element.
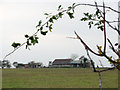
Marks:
<point>61,61</point>
<point>76,61</point>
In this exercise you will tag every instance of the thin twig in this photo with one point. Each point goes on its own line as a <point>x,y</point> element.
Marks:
<point>92,63</point>
<point>86,46</point>
<point>13,51</point>
<point>104,29</point>
<point>114,28</point>
<point>98,6</point>
<point>113,21</point>
<point>101,64</point>
<point>105,69</point>
<point>113,48</point>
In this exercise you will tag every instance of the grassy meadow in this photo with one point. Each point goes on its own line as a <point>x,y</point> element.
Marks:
<point>57,78</point>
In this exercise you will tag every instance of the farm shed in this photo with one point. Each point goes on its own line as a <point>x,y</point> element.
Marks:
<point>61,63</point>
<point>81,63</point>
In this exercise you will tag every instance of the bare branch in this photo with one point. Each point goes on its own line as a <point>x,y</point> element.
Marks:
<point>106,69</point>
<point>85,45</point>
<point>98,6</point>
<point>113,48</point>
<point>104,28</point>
<point>114,28</point>
<point>113,21</point>
<point>101,64</point>
<point>92,63</point>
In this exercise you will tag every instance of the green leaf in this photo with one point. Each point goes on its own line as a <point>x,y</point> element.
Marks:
<point>90,16</point>
<point>70,15</point>
<point>90,24</point>
<point>99,17</point>
<point>84,19</point>
<point>28,43</point>
<point>44,33</point>
<point>26,47</point>
<point>33,42</point>
<point>47,24</point>
<point>41,28</point>
<point>86,14</point>
<point>101,27</point>
<point>97,12</point>
<point>54,17</point>
<point>15,44</point>
<point>101,21</point>
<point>60,14</point>
<point>46,14</point>
<point>51,20</point>
<point>73,4</point>
<point>50,28</point>
<point>31,38</point>
<point>96,24</point>
<point>60,7</point>
<point>36,37</point>
<point>39,23</point>
<point>70,8</point>
<point>26,36</point>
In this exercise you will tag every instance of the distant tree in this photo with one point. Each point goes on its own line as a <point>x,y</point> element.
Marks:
<point>15,64</point>
<point>85,60</point>
<point>40,64</point>
<point>74,56</point>
<point>6,64</point>
<point>32,64</point>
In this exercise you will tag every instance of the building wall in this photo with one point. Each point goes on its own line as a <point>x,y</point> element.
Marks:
<point>59,66</point>
<point>76,65</point>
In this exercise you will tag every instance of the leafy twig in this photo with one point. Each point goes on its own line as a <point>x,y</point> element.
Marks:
<point>13,50</point>
<point>114,28</point>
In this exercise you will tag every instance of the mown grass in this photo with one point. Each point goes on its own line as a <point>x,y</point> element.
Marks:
<point>57,78</point>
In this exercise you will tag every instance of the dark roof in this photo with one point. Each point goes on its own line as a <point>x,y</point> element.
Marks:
<point>20,64</point>
<point>61,61</point>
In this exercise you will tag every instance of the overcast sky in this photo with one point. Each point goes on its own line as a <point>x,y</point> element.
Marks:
<point>20,17</point>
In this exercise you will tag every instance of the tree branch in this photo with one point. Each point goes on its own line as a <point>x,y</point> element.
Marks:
<point>98,6</point>
<point>92,63</point>
<point>13,51</point>
<point>113,48</point>
<point>114,28</point>
<point>104,29</point>
<point>85,45</point>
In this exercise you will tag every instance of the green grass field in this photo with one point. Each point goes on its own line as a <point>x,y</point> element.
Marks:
<point>57,78</point>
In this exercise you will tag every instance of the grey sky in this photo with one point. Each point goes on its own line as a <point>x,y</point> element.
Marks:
<point>19,17</point>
